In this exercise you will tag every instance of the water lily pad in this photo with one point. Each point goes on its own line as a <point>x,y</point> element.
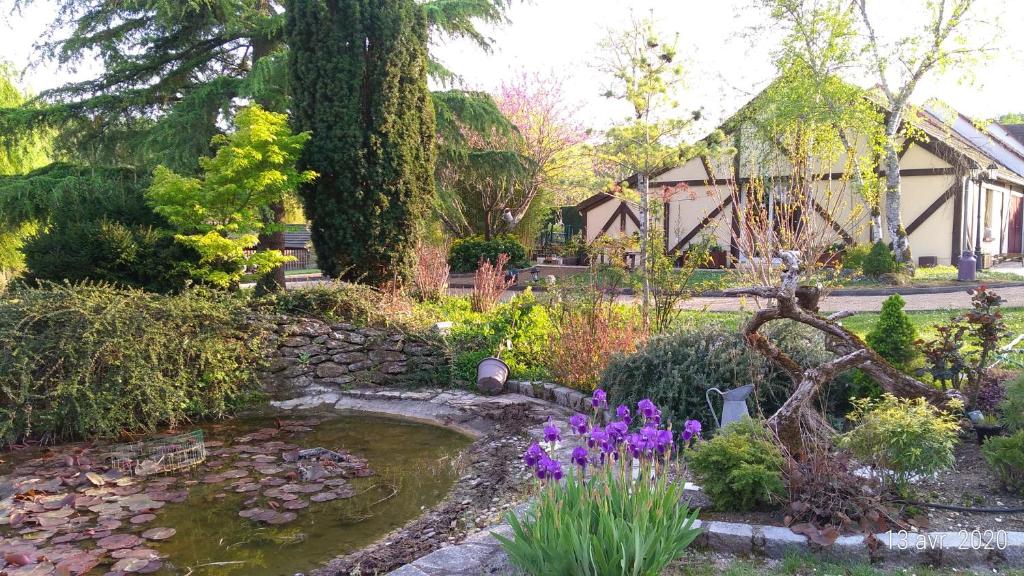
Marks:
<point>144,553</point>
<point>130,564</point>
<point>142,518</point>
<point>296,504</point>
<point>117,541</point>
<point>282,518</point>
<point>78,563</point>
<point>95,478</point>
<point>251,512</point>
<point>159,533</point>
<point>242,488</point>
<point>273,481</point>
<point>324,497</point>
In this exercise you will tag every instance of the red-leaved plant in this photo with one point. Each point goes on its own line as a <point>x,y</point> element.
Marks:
<point>430,277</point>
<point>489,283</point>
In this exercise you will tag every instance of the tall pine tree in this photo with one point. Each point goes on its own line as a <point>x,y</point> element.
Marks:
<point>358,71</point>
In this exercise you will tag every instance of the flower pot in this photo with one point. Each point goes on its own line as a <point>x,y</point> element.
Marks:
<point>491,374</point>
<point>985,432</point>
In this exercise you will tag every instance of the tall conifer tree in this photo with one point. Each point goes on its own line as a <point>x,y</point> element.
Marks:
<point>359,83</point>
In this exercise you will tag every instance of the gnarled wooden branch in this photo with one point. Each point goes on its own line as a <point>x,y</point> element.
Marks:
<point>796,418</point>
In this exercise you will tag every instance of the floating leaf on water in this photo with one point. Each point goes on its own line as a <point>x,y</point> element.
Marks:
<point>144,553</point>
<point>251,512</point>
<point>95,479</point>
<point>296,504</point>
<point>78,564</point>
<point>118,541</point>
<point>324,497</point>
<point>282,518</point>
<point>160,533</point>
<point>130,564</point>
<point>142,518</point>
<point>20,558</point>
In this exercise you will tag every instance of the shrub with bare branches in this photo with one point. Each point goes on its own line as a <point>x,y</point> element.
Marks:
<point>489,283</point>
<point>430,277</point>
<point>590,328</point>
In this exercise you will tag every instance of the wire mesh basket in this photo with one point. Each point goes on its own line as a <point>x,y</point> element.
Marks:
<point>160,455</point>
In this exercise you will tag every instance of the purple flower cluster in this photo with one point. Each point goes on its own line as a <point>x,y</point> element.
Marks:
<point>606,443</point>
<point>543,465</point>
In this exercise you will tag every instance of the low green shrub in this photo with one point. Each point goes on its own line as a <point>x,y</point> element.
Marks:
<point>901,438</point>
<point>879,261</point>
<point>516,331</point>
<point>854,256</point>
<point>676,370</point>
<point>1012,407</point>
<point>740,468</point>
<point>1005,454</point>
<point>92,360</point>
<point>334,301</point>
<point>466,253</point>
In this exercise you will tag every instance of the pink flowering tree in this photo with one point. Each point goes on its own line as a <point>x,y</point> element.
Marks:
<point>492,185</point>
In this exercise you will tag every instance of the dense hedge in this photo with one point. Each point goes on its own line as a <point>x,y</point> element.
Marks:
<point>676,370</point>
<point>466,253</point>
<point>92,360</point>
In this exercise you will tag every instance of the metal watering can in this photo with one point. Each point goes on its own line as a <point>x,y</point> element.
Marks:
<point>734,404</point>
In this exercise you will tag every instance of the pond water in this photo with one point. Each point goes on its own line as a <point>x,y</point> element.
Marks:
<point>413,467</point>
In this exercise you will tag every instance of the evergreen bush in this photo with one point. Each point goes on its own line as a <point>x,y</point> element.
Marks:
<point>740,468</point>
<point>92,360</point>
<point>1006,457</point>
<point>467,253</point>
<point>854,256</point>
<point>894,335</point>
<point>879,261</point>
<point>676,370</point>
<point>1012,407</point>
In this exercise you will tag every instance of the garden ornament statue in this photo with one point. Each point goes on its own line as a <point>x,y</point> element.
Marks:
<point>734,404</point>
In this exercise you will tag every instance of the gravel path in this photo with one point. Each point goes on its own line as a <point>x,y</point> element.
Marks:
<point>1014,296</point>
<point>955,300</point>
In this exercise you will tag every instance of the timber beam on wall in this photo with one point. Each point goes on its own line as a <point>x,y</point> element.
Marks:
<point>847,238</point>
<point>702,224</point>
<point>934,206</point>
<point>621,213</point>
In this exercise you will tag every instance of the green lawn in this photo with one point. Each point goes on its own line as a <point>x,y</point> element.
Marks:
<point>703,564</point>
<point>860,323</point>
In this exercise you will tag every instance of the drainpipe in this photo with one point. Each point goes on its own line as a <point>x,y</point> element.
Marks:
<point>977,230</point>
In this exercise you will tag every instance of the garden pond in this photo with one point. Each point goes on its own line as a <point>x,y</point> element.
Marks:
<point>253,507</point>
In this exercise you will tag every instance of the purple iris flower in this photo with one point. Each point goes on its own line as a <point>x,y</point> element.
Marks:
<point>662,440</point>
<point>533,455</point>
<point>600,399</point>
<point>599,439</point>
<point>622,413</point>
<point>691,429</point>
<point>617,431</point>
<point>579,423</point>
<point>548,469</point>
<point>579,456</point>
<point>647,409</point>
<point>551,433</point>
<point>636,444</point>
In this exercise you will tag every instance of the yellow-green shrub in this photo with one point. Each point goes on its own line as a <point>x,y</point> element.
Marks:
<point>1006,457</point>
<point>901,437</point>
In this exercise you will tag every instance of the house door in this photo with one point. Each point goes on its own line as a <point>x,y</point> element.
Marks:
<point>1016,225</point>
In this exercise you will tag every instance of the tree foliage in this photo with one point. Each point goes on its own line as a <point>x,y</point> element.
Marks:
<point>359,76</point>
<point>219,214</point>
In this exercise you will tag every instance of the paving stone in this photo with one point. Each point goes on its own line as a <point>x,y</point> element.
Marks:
<point>730,537</point>
<point>408,570</point>
<point>776,542</point>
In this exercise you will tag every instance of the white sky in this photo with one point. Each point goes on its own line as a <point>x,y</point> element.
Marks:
<point>726,65</point>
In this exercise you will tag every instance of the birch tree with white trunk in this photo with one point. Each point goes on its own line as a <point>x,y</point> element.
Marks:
<point>948,38</point>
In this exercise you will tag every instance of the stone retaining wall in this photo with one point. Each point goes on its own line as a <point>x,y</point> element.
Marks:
<point>311,356</point>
